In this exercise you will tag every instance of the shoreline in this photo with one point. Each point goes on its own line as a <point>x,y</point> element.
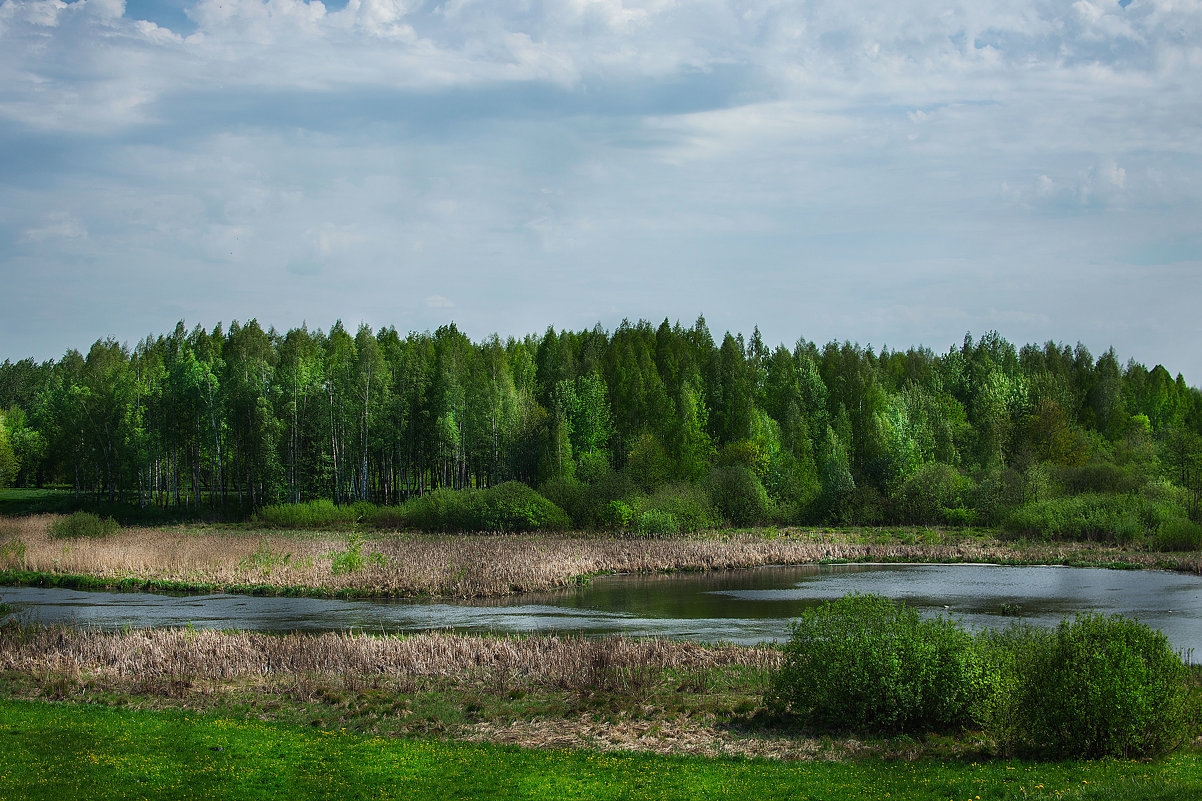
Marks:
<point>207,560</point>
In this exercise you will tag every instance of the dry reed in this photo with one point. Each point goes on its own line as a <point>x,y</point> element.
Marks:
<point>469,565</point>
<point>571,663</point>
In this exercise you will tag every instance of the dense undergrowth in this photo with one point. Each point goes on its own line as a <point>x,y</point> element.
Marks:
<point>1095,686</point>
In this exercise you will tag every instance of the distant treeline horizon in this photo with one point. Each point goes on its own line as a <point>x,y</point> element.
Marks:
<point>830,432</point>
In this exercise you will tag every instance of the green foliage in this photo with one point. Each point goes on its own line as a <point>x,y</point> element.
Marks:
<point>1178,535</point>
<point>657,522</point>
<point>618,515</point>
<point>593,467</point>
<point>1097,686</point>
<point>229,421</point>
<point>688,504</point>
<point>864,663</point>
<point>322,513</point>
<point>441,510</point>
<point>351,559</point>
<point>511,506</point>
<point>83,524</point>
<point>933,493</point>
<point>10,465</point>
<point>648,463</point>
<point>1095,516</point>
<point>738,495</point>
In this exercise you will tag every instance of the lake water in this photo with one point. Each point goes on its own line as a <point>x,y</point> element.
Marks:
<point>744,606</point>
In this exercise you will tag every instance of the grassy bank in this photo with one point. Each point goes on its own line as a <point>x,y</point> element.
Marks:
<point>613,693</point>
<point>54,751</point>
<point>243,559</point>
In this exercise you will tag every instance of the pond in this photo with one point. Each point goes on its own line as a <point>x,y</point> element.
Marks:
<point>743,606</point>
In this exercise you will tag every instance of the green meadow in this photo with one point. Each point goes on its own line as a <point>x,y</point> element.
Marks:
<point>66,751</point>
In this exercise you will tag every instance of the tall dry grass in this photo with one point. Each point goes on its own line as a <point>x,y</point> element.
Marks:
<point>466,565</point>
<point>149,655</point>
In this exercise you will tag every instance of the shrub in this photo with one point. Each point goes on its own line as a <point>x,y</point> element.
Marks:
<point>1178,535</point>
<point>593,466</point>
<point>657,522</point>
<point>587,504</point>
<point>1091,516</point>
<point>736,492</point>
<point>864,506</point>
<point>930,492</point>
<point>571,496</point>
<point>440,510</point>
<point>1097,476</point>
<point>1097,686</point>
<point>321,513</point>
<point>862,662</point>
<point>618,515</point>
<point>513,506</point>
<point>83,524</point>
<point>688,504</point>
<point>1095,516</point>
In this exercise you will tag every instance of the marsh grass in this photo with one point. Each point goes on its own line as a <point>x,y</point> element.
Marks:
<point>473,565</point>
<point>609,693</point>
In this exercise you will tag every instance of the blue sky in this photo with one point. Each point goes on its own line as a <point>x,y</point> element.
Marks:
<point>885,171</point>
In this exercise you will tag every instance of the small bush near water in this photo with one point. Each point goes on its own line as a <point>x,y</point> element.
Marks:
<point>862,662</point>
<point>511,506</point>
<point>1096,686</point>
<point>83,524</point>
<point>1120,519</point>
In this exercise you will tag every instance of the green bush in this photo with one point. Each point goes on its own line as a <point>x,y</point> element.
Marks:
<point>570,495</point>
<point>618,515</point>
<point>657,522</point>
<point>511,506</point>
<point>1097,686</point>
<point>933,493</point>
<point>1178,535</point>
<point>440,510</point>
<point>1095,516</point>
<point>321,513</point>
<point>587,504</point>
<point>736,492</point>
<point>83,524</point>
<point>1092,516</point>
<point>687,504</point>
<point>864,663</point>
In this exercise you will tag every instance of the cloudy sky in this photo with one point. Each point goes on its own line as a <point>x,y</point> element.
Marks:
<point>892,172</point>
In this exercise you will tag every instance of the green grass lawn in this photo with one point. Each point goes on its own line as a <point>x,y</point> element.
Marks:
<point>84,752</point>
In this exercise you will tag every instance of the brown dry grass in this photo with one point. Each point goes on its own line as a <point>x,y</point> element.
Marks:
<point>572,663</point>
<point>607,694</point>
<point>467,565</point>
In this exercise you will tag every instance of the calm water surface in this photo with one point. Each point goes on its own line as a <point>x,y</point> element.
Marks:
<point>744,606</point>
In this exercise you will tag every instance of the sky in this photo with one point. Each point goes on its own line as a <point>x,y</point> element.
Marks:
<point>889,172</point>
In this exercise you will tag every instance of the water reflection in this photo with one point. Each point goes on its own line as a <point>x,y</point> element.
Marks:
<point>745,606</point>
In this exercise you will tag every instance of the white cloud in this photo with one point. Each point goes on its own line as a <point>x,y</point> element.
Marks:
<point>552,158</point>
<point>58,225</point>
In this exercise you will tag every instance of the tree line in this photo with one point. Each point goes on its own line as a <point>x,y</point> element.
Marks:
<point>241,415</point>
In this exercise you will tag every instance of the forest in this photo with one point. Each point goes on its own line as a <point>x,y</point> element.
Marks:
<point>649,428</point>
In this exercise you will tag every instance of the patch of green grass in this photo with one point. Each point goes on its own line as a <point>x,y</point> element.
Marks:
<point>57,751</point>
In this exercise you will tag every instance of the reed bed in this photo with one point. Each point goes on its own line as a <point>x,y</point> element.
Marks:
<point>473,565</point>
<point>191,655</point>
